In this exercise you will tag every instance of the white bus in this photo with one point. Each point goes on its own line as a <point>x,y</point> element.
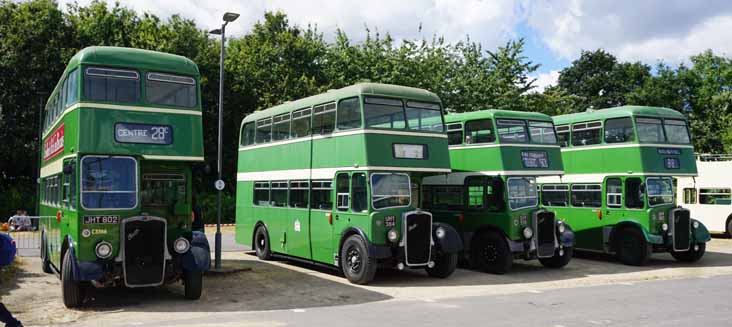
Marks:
<point>709,195</point>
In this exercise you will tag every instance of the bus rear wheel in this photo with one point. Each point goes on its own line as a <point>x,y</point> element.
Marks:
<point>695,252</point>
<point>72,290</point>
<point>261,243</point>
<point>45,261</point>
<point>631,247</point>
<point>193,284</point>
<point>445,265</point>
<point>357,265</point>
<point>729,227</point>
<point>490,253</point>
<point>559,260</point>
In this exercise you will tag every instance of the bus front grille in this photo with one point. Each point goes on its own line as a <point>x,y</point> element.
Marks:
<point>681,229</point>
<point>418,238</point>
<point>545,234</point>
<point>144,249</point>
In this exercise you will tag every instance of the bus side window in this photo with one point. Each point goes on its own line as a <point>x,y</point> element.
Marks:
<point>614,192</point>
<point>299,194</point>
<point>261,193</point>
<point>69,185</point>
<point>690,196</point>
<point>587,133</point>
<point>247,134</point>
<point>300,123</point>
<point>634,193</point>
<point>454,134</point>
<point>359,200</point>
<point>324,118</point>
<point>562,135</point>
<point>715,196</point>
<point>479,131</point>
<point>494,194</point>
<point>279,194</point>
<point>475,192</point>
<point>349,114</point>
<point>264,130</point>
<point>342,192</point>
<point>320,195</point>
<point>555,195</point>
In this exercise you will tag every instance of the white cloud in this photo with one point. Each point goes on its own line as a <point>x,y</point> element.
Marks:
<point>544,80</point>
<point>489,22</point>
<point>670,30</point>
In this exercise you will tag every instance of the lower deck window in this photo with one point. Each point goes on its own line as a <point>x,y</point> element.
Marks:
<point>443,197</point>
<point>321,193</point>
<point>108,182</point>
<point>279,194</point>
<point>587,195</point>
<point>261,193</point>
<point>299,194</point>
<point>715,196</point>
<point>555,195</point>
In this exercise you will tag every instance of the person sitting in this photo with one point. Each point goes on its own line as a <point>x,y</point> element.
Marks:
<point>20,222</point>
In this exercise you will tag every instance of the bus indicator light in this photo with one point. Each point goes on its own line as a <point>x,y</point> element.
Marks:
<point>58,216</point>
<point>330,218</point>
<point>599,214</point>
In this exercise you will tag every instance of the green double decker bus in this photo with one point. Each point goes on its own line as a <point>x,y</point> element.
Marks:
<point>122,130</point>
<point>491,196</point>
<point>334,179</point>
<point>618,187</point>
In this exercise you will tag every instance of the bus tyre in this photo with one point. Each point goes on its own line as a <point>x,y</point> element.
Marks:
<point>261,243</point>
<point>73,292</point>
<point>558,261</point>
<point>490,253</point>
<point>45,261</point>
<point>729,227</point>
<point>193,284</point>
<point>357,265</point>
<point>631,247</point>
<point>695,252</point>
<point>445,265</point>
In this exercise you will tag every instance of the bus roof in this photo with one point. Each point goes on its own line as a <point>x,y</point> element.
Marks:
<point>133,58</point>
<point>387,90</point>
<point>617,112</point>
<point>495,113</point>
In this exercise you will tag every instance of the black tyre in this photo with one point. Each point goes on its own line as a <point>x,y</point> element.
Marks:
<point>445,265</point>
<point>193,284</point>
<point>558,261</point>
<point>729,227</point>
<point>356,263</point>
<point>73,291</point>
<point>261,243</point>
<point>45,261</point>
<point>694,253</point>
<point>631,247</point>
<point>489,252</point>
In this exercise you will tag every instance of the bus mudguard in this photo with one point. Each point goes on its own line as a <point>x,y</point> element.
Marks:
<point>450,242</point>
<point>701,233</point>
<point>375,251</point>
<point>85,270</point>
<point>198,257</point>
<point>567,238</point>
<point>650,238</point>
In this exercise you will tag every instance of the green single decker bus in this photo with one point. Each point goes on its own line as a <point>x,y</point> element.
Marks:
<point>335,178</point>
<point>618,187</point>
<point>491,196</point>
<point>122,130</point>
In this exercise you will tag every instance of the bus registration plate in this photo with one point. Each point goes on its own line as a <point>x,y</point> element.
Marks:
<point>101,219</point>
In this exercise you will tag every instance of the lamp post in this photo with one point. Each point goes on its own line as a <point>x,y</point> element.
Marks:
<point>228,18</point>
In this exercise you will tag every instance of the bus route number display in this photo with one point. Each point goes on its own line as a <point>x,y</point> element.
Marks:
<point>672,163</point>
<point>409,151</point>
<point>535,159</point>
<point>143,133</point>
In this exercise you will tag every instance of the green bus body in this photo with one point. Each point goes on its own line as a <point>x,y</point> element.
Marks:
<point>490,197</point>
<point>617,192</point>
<point>306,168</point>
<point>122,129</point>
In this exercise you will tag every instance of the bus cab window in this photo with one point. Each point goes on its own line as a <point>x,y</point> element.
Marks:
<point>113,85</point>
<point>563,135</point>
<point>634,193</point>
<point>479,131</point>
<point>619,130</point>
<point>342,192</point>
<point>586,133</point>
<point>108,182</point>
<point>689,196</point>
<point>348,114</point>
<point>390,190</point>
<point>359,199</point>
<point>614,191</point>
<point>321,195</point>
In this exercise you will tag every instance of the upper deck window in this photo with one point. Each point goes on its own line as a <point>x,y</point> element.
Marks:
<point>281,127</point>
<point>247,134</point>
<point>454,133</point>
<point>300,123</point>
<point>650,130</point>
<point>512,131</point>
<point>619,130</point>
<point>171,90</point>
<point>479,131</point>
<point>676,131</point>
<point>324,117</point>
<point>542,132</point>
<point>424,116</point>
<point>587,133</point>
<point>563,135</point>
<point>264,130</point>
<point>113,85</point>
<point>108,182</point>
<point>384,113</point>
<point>349,114</point>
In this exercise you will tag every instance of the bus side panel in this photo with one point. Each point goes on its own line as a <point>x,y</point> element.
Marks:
<point>244,218</point>
<point>585,224</point>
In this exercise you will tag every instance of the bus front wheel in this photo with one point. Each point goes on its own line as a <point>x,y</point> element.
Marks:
<point>631,247</point>
<point>490,253</point>
<point>357,265</point>
<point>261,244</point>
<point>558,260</point>
<point>445,265</point>
<point>193,284</point>
<point>694,253</point>
<point>73,291</point>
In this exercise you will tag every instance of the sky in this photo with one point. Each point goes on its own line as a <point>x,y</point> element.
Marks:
<point>556,31</point>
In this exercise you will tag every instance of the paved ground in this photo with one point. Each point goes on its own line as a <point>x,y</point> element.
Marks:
<point>592,290</point>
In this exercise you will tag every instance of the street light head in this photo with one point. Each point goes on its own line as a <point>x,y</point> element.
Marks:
<point>230,17</point>
<point>216,31</point>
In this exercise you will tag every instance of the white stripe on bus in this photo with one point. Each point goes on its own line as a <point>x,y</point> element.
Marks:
<point>599,178</point>
<point>322,173</point>
<point>630,145</point>
<point>177,158</point>
<point>338,134</point>
<point>55,166</point>
<point>495,145</point>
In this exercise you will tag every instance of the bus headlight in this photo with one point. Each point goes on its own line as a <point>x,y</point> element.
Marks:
<point>695,224</point>
<point>393,235</point>
<point>440,232</point>
<point>181,245</point>
<point>561,228</point>
<point>664,227</point>
<point>528,233</point>
<point>103,250</point>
